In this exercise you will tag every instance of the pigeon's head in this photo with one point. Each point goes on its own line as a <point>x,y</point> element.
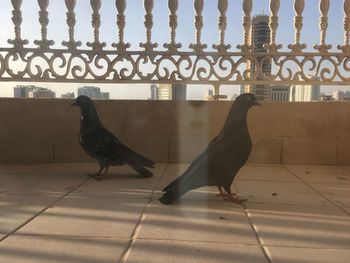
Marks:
<point>86,106</point>
<point>247,100</point>
<point>84,102</point>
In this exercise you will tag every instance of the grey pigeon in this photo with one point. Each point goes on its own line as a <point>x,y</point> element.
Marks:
<point>219,163</point>
<point>103,146</point>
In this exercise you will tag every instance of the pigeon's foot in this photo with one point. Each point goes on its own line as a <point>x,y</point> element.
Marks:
<point>235,199</point>
<point>100,177</point>
<point>225,195</point>
<point>229,196</point>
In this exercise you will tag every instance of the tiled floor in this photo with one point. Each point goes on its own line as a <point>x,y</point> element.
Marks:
<point>55,213</point>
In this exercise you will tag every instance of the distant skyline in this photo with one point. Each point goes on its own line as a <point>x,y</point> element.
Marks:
<point>135,33</point>
<point>121,91</point>
<point>143,91</point>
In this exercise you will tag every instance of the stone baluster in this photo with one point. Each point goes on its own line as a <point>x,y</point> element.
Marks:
<point>96,23</point>
<point>44,43</point>
<point>18,42</point>
<point>121,45</point>
<point>198,46</point>
<point>247,26</point>
<point>148,46</point>
<point>71,44</point>
<point>273,24</point>
<point>346,47</point>
<point>297,47</point>
<point>172,46</point>
<point>324,8</point>
<point>222,47</point>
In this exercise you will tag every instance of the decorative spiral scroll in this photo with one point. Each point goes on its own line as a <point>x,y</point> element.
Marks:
<point>137,66</point>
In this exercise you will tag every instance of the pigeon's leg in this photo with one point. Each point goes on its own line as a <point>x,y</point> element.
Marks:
<point>102,175</point>
<point>98,172</point>
<point>231,197</point>
<point>222,193</point>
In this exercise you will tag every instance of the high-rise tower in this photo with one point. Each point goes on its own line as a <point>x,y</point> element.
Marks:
<point>261,36</point>
<point>172,92</point>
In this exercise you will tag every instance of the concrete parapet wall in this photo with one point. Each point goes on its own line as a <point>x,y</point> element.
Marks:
<point>46,130</point>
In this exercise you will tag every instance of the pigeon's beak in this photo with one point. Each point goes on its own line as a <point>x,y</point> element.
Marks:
<point>74,103</point>
<point>257,103</point>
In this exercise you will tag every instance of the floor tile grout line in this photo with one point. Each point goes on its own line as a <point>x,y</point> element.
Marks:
<point>182,240</point>
<point>72,236</point>
<point>42,211</point>
<point>262,246</point>
<point>316,191</point>
<point>241,244</point>
<point>124,256</point>
<point>311,248</point>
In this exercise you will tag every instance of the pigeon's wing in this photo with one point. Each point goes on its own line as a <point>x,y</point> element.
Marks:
<point>99,143</point>
<point>194,176</point>
<point>199,172</point>
<point>132,157</point>
<point>124,153</point>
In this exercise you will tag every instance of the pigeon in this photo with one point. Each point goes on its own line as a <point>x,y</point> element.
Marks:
<point>219,163</point>
<point>103,146</point>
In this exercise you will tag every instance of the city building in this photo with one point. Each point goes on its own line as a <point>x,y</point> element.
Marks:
<point>242,88</point>
<point>93,92</point>
<point>172,91</point>
<point>305,93</point>
<point>340,95</point>
<point>260,36</point>
<point>154,92</point>
<point>104,95</point>
<point>325,97</point>
<point>279,93</point>
<point>41,93</point>
<point>179,91</point>
<point>164,92</point>
<point>68,95</point>
<point>209,94</point>
<point>22,91</point>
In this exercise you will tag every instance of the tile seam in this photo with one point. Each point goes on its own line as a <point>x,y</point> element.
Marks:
<point>42,211</point>
<point>318,192</point>
<point>124,256</point>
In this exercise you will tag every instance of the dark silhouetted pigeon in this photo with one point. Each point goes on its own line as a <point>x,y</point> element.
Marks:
<point>103,146</point>
<point>219,163</point>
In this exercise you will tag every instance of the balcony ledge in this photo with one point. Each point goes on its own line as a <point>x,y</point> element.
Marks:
<point>46,130</point>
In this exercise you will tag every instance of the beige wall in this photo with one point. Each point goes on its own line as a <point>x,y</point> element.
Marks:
<point>46,130</point>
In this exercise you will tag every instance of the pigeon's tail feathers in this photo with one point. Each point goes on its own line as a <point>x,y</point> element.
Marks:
<point>172,184</point>
<point>172,194</point>
<point>146,162</point>
<point>140,160</point>
<point>142,170</point>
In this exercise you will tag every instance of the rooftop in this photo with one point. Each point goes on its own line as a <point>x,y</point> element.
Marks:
<point>55,213</point>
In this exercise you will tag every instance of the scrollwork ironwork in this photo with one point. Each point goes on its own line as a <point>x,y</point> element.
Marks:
<point>188,67</point>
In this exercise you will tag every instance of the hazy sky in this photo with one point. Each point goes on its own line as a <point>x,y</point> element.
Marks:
<point>134,31</point>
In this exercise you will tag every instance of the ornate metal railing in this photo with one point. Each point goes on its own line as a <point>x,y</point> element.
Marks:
<point>120,63</point>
